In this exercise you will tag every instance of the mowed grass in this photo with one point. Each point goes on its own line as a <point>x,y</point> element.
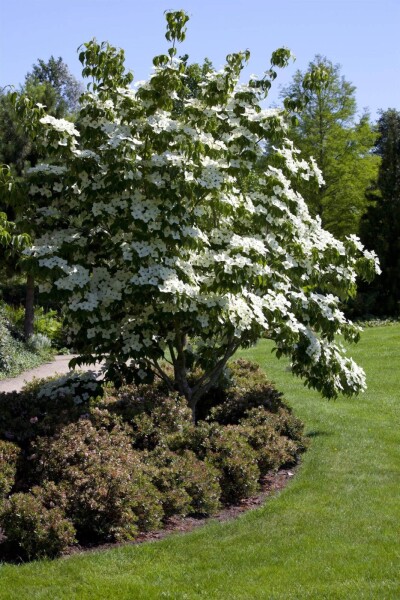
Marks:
<point>332,533</point>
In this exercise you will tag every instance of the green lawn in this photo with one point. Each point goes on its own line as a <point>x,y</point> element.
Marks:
<point>334,532</point>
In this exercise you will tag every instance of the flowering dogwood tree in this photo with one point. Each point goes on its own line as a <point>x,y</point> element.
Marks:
<point>168,246</point>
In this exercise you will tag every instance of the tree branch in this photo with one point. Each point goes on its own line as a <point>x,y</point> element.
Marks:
<point>158,371</point>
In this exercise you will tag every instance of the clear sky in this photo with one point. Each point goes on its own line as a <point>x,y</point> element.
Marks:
<point>361,35</point>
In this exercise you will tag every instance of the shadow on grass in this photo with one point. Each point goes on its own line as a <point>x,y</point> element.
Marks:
<point>314,434</point>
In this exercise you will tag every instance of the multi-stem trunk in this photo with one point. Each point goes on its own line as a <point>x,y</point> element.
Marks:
<point>194,392</point>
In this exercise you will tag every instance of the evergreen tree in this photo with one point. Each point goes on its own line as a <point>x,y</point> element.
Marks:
<point>328,130</point>
<point>380,229</point>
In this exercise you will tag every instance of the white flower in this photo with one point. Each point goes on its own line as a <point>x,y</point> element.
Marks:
<point>60,125</point>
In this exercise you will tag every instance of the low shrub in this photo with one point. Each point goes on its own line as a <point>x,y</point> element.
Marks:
<point>168,480</point>
<point>153,413</point>
<point>168,417</point>
<point>33,531</point>
<point>44,406</point>
<point>272,450</point>
<point>75,465</point>
<point>187,484</point>
<point>229,451</point>
<point>103,480</point>
<point>248,388</point>
<point>194,438</point>
<point>283,422</point>
<point>202,485</point>
<point>9,454</point>
<point>146,503</point>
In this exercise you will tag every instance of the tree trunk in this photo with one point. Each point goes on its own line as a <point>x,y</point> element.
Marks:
<point>29,307</point>
<point>192,406</point>
<point>194,393</point>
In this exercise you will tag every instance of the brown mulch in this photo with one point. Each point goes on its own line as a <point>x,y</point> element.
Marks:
<point>272,483</point>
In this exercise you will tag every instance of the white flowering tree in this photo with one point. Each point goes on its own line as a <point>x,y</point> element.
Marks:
<point>168,246</point>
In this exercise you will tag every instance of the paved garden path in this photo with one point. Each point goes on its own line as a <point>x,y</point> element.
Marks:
<point>58,365</point>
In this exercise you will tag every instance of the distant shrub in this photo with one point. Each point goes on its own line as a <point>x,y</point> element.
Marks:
<point>15,316</point>
<point>7,348</point>
<point>46,323</point>
<point>38,342</point>
<point>15,355</point>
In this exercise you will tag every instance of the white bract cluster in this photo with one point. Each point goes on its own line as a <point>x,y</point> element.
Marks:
<point>77,386</point>
<point>177,232</point>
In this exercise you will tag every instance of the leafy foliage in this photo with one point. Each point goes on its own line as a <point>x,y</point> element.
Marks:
<point>15,355</point>
<point>9,454</point>
<point>46,323</point>
<point>31,530</point>
<point>102,480</point>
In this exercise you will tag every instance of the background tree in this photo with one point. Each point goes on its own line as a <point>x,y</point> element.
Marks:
<point>52,85</point>
<point>329,130</point>
<point>57,82</point>
<point>380,228</point>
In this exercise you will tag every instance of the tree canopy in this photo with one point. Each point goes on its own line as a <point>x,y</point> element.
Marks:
<point>161,248</point>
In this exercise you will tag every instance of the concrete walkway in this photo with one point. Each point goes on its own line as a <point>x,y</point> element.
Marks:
<point>58,366</point>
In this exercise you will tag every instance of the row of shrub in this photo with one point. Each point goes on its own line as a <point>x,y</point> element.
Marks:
<point>103,469</point>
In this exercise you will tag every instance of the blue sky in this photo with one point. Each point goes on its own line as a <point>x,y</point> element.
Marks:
<point>361,35</point>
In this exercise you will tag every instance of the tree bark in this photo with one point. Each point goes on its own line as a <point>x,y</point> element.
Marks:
<point>29,307</point>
